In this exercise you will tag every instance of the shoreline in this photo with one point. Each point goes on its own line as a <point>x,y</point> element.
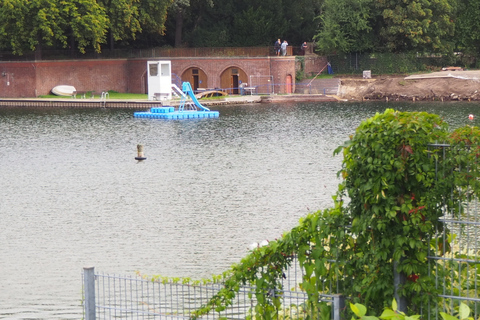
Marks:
<point>145,104</point>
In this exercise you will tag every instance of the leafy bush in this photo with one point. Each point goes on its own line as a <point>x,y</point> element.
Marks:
<point>393,313</point>
<point>385,216</point>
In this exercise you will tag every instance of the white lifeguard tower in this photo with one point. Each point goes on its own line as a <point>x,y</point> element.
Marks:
<point>159,80</point>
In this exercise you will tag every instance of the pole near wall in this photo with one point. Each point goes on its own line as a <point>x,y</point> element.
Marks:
<point>89,287</point>
<point>399,280</point>
<point>338,306</point>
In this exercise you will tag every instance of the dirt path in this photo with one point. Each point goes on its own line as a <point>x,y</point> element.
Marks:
<point>439,86</point>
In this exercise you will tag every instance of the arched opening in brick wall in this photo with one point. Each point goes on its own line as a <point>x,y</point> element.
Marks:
<point>231,78</point>
<point>196,76</point>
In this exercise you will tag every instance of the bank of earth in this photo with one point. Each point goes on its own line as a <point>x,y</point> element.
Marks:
<point>435,86</point>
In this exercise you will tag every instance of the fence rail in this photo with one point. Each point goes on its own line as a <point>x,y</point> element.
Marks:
<point>158,52</point>
<point>128,297</point>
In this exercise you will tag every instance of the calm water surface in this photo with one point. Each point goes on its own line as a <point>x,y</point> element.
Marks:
<point>72,195</point>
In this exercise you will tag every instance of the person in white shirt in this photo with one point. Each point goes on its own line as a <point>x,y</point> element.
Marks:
<point>284,47</point>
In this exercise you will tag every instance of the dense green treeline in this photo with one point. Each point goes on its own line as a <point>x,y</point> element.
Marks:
<point>336,26</point>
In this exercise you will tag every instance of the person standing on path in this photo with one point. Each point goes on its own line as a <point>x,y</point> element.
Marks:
<point>276,47</point>
<point>284,47</point>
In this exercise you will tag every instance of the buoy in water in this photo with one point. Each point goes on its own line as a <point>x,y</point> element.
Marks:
<point>140,155</point>
<point>470,116</point>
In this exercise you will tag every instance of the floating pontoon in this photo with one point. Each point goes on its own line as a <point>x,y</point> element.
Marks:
<point>188,109</point>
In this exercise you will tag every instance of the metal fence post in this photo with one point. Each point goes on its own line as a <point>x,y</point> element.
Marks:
<point>89,285</point>
<point>338,306</point>
<point>398,281</point>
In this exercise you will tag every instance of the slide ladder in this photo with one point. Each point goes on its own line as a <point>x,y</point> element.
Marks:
<point>177,91</point>
<point>188,91</point>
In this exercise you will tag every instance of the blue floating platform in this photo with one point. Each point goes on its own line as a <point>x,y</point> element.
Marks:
<point>170,113</point>
<point>167,112</point>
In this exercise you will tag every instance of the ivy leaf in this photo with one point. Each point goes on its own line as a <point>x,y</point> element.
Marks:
<point>411,242</point>
<point>446,316</point>
<point>338,150</point>
<point>394,305</point>
<point>388,314</point>
<point>358,309</point>
<point>464,311</point>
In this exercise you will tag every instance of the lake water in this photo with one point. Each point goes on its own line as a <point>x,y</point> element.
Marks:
<point>72,194</point>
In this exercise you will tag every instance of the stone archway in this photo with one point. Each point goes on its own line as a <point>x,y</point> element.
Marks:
<point>197,78</point>
<point>231,78</point>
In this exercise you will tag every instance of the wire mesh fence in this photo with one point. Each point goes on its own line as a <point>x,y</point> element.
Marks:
<point>454,258</point>
<point>135,297</point>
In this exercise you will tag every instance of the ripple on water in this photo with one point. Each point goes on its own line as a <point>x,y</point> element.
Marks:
<point>73,195</point>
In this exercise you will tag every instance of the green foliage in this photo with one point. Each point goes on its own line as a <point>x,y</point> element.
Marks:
<point>264,267</point>
<point>463,313</point>
<point>393,313</point>
<point>467,26</point>
<point>87,22</point>
<point>397,196</point>
<point>246,23</point>
<point>387,25</point>
<point>33,25</point>
<point>300,73</point>
<point>30,25</point>
<point>343,26</point>
<point>386,63</point>
<point>254,27</point>
<point>389,175</point>
<point>127,18</point>
<point>346,26</point>
<point>394,199</point>
<point>425,26</point>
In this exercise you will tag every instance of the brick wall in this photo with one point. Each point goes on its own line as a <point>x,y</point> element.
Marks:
<point>313,64</point>
<point>30,79</point>
<point>283,67</point>
<point>17,80</point>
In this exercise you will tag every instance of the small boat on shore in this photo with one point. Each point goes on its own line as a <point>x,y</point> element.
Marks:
<point>63,90</point>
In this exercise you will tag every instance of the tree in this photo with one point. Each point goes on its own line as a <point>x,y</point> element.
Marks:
<point>179,9</point>
<point>254,27</point>
<point>242,23</point>
<point>87,22</point>
<point>387,25</point>
<point>31,25</point>
<point>153,14</point>
<point>346,26</point>
<point>425,26</point>
<point>128,18</point>
<point>301,17</point>
<point>467,27</point>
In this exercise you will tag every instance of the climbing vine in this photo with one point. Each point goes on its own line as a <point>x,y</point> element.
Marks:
<point>385,213</point>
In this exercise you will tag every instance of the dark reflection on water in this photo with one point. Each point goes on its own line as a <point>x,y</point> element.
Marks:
<point>72,194</point>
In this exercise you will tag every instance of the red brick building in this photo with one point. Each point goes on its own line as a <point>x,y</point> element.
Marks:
<point>270,74</point>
